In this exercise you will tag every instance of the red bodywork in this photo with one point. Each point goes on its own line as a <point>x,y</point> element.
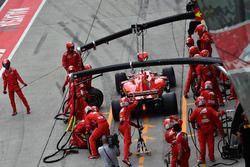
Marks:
<point>144,85</point>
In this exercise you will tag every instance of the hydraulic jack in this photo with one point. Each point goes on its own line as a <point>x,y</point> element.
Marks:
<point>141,145</point>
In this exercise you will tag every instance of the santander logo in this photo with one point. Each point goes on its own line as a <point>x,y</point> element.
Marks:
<point>13,17</point>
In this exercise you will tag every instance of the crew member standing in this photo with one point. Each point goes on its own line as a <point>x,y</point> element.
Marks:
<point>206,119</point>
<point>193,50</point>
<point>208,73</point>
<point>209,95</point>
<point>170,136</point>
<point>71,58</point>
<point>182,146</point>
<point>205,40</point>
<point>102,128</point>
<point>128,106</point>
<point>77,96</point>
<point>10,79</point>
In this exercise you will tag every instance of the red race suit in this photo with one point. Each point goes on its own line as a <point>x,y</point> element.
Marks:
<point>72,59</point>
<point>182,149</point>
<point>78,136</point>
<point>102,128</point>
<point>208,73</point>
<point>206,119</point>
<point>125,126</point>
<point>10,80</point>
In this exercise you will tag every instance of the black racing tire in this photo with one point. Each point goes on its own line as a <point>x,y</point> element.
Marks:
<point>95,97</point>
<point>119,78</point>
<point>169,104</point>
<point>169,73</point>
<point>115,105</point>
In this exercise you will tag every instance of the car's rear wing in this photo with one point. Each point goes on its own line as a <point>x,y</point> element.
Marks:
<point>143,93</point>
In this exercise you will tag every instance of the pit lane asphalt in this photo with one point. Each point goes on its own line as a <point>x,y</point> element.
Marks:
<point>23,138</point>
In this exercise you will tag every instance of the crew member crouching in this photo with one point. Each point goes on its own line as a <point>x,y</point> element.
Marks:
<point>78,138</point>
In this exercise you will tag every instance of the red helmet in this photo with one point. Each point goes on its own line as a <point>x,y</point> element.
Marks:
<point>167,123</point>
<point>200,101</point>
<point>193,50</point>
<point>197,55</point>
<point>171,121</point>
<point>70,45</point>
<point>6,63</point>
<point>178,120</point>
<point>208,85</point>
<point>200,29</point>
<point>189,42</point>
<point>124,102</point>
<point>170,135</point>
<point>87,67</point>
<point>88,109</point>
<point>71,69</point>
<point>142,56</point>
<point>204,53</point>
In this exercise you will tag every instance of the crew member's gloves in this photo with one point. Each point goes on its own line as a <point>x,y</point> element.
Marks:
<point>178,162</point>
<point>25,84</point>
<point>4,92</point>
<point>63,89</point>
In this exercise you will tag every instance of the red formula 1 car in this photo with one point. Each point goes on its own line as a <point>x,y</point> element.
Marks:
<point>150,89</point>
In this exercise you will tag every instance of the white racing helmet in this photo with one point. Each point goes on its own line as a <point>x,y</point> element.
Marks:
<point>88,109</point>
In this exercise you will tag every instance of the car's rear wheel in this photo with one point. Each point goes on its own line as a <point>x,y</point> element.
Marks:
<point>95,97</point>
<point>169,104</point>
<point>115,105</point>
<point>119,77</point>
<point>169,73</point>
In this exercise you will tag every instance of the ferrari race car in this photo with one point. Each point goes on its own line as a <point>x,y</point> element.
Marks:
<point>150,89</point>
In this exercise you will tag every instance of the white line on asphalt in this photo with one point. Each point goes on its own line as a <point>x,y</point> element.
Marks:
<point>24,33</point>
<point>3,5</point>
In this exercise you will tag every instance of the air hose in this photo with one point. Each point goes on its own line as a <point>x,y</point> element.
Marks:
<point>192,134</point>
<point>63,116</point>
<point>62,149</point>
<point>70,149</point>
<point>224,155</point>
